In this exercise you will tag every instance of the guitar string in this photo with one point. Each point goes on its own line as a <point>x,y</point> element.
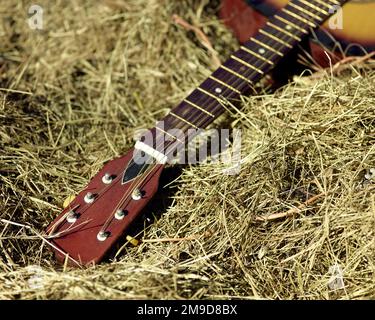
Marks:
<point>321,17</point>
<point>251,72</point>
<point>145,175</point>
<point>239,81</point>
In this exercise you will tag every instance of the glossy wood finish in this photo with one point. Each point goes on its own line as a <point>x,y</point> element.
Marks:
<point>79,239</point>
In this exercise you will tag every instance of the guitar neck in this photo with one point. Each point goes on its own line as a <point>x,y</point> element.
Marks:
<point>238,75</point>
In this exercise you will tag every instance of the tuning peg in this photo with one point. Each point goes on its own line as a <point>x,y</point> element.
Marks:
<point>89,197</point>
<point>102,235</point>
<point>107,178</point>
<point>72,216</point>
<point>137,194</point>
<point>120,214</point>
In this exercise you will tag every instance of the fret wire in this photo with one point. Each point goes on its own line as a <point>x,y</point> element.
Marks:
<point>183,119</point>
<point>225,75</point>
<point>275,38</point>
<point>236,58</point>
<point>266,46</point>
<point>306,3</point>
<point>168,134</point>
<point>224,84</point>
<point>303,10</point>
<point>211,95</point>
<point>256,55</point>
<point>329,6</point>
<point>264,32</point>
<point>274,26</point>
<point>198,107</point>
<point>295,26</point>
<point>294,20</point>
<point>290,13</point>
<point>236,74</point>
<point>312,25</point>
<point>205,120</point>
<point>246,64</point>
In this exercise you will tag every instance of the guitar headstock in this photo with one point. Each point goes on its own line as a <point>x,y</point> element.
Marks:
<point>100,214</point>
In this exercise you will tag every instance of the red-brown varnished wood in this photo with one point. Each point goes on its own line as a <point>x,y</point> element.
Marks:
<point>241,18</point>
<point>81,243</point>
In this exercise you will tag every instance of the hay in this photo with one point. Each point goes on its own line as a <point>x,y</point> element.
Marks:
<point>72,97</point>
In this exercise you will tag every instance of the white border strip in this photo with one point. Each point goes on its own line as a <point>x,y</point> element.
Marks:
<point>161,158</point>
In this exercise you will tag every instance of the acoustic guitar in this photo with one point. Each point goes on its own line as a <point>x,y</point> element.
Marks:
<point>96,220</point>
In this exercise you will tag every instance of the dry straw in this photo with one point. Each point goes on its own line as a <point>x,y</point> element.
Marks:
<point>73,94</point>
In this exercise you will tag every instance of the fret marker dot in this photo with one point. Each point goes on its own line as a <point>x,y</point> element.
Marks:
<point>262,51</point>
<point>288,27</point>
<point>218,90</point>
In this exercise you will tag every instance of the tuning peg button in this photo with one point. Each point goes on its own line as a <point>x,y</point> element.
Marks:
<point>89,197</point>
<point>107,178</point>
<point>72,217</point>
<point>102,235</point>
<point>120,214</point>
<point>137,194</point>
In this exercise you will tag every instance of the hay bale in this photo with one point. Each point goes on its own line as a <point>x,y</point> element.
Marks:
<point>72,97</point>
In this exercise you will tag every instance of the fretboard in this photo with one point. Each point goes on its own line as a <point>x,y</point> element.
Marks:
<point>245,67</point>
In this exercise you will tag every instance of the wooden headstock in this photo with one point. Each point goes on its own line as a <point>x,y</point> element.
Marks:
<point>101,213</point>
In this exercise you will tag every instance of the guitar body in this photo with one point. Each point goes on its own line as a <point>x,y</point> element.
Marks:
<point>356,37</point>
